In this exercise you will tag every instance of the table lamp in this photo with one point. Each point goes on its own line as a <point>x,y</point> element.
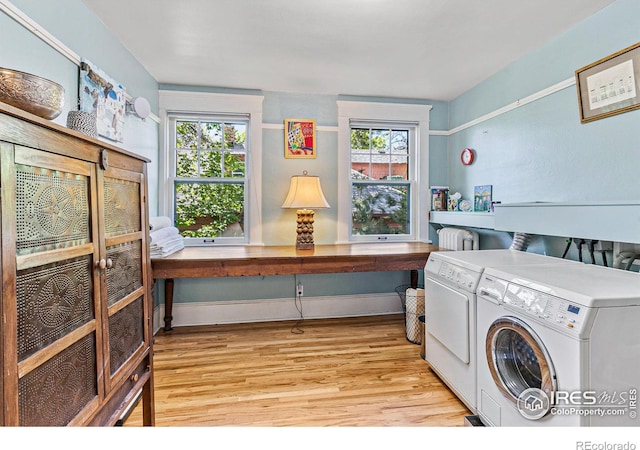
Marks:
<point>305,193</point>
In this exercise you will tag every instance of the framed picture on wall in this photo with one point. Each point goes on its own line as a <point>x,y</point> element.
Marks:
<point>105,97</point>
<point>482,198</point>
<point>299,138</point>
<point>609,86</point>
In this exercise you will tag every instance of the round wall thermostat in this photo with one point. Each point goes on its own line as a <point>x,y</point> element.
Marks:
<point>466,156</point>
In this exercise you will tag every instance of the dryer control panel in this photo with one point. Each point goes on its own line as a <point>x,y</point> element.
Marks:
<point>461,277</point>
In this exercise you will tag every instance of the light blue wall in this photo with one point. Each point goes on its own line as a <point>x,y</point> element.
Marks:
<point>279,224</point>
<point>541,151</point>
<point>537,152</point>
<point>75,26</point>
<point>70,22</point>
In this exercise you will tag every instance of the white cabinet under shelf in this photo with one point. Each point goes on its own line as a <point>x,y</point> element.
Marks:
<point>617,221</point>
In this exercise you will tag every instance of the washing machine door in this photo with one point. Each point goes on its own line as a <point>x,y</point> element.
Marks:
<point>517,359</point>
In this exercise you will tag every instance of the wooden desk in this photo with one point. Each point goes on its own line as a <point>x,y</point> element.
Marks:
<point>239,261</point>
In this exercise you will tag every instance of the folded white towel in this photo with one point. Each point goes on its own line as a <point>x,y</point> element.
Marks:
<point>157,223</point>
<point>170,247</point>
<point>167,242</point>
<point>163,233</point>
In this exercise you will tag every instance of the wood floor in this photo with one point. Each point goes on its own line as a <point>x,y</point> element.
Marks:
<point>336,372</point>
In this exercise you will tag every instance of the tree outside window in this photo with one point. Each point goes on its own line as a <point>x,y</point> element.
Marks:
<point>380,181</point>
<point>210,171</point>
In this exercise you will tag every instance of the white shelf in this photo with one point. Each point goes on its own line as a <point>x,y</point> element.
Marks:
<point>464,219</point>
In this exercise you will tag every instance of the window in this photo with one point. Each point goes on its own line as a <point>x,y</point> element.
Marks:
<point>383,171</point>
<point>209,156</point>
<point>381,180</point>
<point>212,163</point>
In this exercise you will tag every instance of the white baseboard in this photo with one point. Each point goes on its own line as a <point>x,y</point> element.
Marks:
<point>241,311</point>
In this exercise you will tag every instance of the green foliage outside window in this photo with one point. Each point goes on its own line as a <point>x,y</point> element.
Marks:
<point>379,208</point>
<point>369,219</point>
<point>210,166</point>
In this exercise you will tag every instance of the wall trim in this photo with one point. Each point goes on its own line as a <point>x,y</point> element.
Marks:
<point>280,126</point>
<point>517,104</point>
<point>270,310</point>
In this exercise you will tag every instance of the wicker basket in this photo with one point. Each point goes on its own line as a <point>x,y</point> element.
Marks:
<point>413,308</point>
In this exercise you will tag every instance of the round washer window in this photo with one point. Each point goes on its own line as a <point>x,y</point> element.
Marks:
<point>516,362</point>
<point>517,358</point>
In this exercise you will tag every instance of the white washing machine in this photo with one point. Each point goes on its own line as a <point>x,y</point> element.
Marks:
<point>451,279</point>
<point>558,345</point>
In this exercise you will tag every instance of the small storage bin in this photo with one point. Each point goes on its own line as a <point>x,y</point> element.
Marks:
<point>413,307</point>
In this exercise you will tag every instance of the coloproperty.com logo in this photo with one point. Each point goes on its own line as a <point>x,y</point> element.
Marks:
<point>534,403</point>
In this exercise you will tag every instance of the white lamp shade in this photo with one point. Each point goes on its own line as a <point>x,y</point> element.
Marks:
<point>305,192</point>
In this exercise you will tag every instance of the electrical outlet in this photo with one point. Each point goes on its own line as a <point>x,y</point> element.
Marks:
<point>300,292</point>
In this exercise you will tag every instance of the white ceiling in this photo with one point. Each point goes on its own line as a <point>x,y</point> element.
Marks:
<point>425,49</point>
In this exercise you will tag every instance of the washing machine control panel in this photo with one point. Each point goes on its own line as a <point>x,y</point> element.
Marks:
<point>461,277</point>
<point>492,288</point>
<point>555,312</point>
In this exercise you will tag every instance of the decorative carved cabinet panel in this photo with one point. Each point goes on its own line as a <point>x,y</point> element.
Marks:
<point>76,305</point>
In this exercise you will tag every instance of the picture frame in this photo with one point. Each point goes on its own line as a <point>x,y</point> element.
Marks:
<point>610,85</point>
<point>103,96</point>
<point>482,197</point>
<point>300,138</point>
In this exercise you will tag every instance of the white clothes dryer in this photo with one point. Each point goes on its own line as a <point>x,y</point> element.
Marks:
<point>558,345</point>
<point>451,279</point>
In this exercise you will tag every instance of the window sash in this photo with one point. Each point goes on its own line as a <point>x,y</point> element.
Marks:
<point>175,180</point>
<point>383,221</point>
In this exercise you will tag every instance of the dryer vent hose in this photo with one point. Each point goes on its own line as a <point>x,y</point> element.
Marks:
<point>624,260</point>
<point>520,242</point>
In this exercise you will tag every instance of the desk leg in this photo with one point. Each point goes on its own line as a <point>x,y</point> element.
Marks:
<point>414,281</point>
<point>168,303</point>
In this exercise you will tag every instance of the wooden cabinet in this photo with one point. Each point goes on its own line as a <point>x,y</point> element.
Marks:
<point>76,304</point>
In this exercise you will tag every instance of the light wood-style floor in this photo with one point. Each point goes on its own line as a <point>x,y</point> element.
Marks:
<point>338,372</point>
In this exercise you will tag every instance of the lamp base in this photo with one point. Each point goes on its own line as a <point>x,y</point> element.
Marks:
<point>303,246</point>
<point>305,229</point>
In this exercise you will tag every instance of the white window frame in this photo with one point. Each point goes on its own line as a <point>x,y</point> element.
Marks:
<point>385,113</point>
<point>207,103</point>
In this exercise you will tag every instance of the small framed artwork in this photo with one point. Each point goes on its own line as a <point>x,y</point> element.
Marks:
<point>609,86</point>
<point>105,97</point>
<point>299,138</point>
<point>482,198</point>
